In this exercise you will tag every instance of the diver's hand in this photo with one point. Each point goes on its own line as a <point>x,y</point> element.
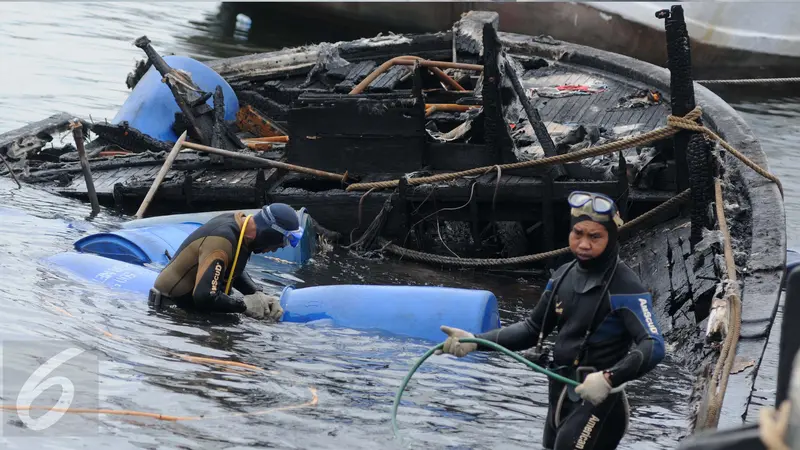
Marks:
<point>275,310</point>
<point>595,388</point>
<point>261,305</point>
<point>256,305</point>
<point>452,346</point>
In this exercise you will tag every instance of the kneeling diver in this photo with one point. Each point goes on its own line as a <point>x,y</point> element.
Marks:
<point>600,308</point>
<point>202,271</point>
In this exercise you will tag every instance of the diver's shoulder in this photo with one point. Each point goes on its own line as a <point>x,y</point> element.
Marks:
<point>627,281</point>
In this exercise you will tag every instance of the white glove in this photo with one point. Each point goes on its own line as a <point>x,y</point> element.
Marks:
<point>275,310</point>
<point>452,346</point>
<point>260,305</point>
<point>595,388</point>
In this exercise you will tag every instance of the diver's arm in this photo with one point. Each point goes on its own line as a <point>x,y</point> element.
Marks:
<point>209,290</point>
<point>525,334</point>
<point>245,284</point>
<point>636,311</point>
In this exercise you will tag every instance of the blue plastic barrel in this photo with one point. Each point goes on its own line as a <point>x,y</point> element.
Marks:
<point>295,255</point>
<point>410,311</point>
<point>115,275</point>
<point>151,108</point>
<point>139,246</point>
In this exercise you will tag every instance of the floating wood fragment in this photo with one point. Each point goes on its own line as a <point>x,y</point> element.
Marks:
<point>161,174</point>
<point>77,134</point>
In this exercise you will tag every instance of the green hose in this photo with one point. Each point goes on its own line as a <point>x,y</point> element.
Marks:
<point>483,342</point>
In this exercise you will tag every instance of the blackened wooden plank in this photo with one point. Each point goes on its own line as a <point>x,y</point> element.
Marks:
<point>457,156</point>
<point>389,79</point>
<point>356,119</point>
<point>357,73</point>
<point>358,154</point>
<point>336,210</point>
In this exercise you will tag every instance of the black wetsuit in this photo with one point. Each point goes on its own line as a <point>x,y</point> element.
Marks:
<point>198,272</point>
<point>618,318</point>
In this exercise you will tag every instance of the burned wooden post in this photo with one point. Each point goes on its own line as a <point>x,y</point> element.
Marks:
<point>77,134</point>
<point>691,150</point>
<point>218,134</point>
<point>539,128</point>
<point>622,179</point>
<point>495,129</point>
<point>679,61</point>
<point>160,176</point>
<point>701,180</point>
<point>187,96</point>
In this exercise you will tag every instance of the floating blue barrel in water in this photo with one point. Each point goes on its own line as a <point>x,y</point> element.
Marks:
<point>406,311</point>
<point>296,255</point>
<point>411,311</point>
<point>154,242</point>
<point>151,108</point>
<point>140,246</point>
<point>115,275</point>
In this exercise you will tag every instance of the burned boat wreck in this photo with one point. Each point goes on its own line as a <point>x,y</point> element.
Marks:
<point>459,149</point>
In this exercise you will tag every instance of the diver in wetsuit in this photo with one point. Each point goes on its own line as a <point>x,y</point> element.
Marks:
<point>600,308</point>
<point>198,275</point>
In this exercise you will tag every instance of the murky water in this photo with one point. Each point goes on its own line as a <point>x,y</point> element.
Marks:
<point>74,57</point>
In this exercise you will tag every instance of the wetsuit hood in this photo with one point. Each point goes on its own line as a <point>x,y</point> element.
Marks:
<point>276,225</point>
<point>611,223</point>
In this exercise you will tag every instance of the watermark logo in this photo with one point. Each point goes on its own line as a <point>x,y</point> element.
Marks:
<point>49,388</point>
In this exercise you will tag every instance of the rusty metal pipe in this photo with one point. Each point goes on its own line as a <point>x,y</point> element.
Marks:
<point>434,67</point>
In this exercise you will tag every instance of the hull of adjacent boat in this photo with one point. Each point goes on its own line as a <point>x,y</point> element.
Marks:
<point>736,38</point>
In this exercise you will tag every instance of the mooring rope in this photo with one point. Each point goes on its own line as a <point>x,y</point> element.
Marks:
<point>752,81</point>
<point>719,379</point>
<point>490,262</point>
<point>674,125</point>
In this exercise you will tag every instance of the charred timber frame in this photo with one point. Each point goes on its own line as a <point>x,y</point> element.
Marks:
<point>691,150</point>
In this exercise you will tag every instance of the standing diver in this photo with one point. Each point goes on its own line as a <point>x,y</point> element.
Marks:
<point>595,332</point>
<point>199,275</point>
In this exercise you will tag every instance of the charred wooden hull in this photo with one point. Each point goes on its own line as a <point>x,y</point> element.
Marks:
<point>405,126</point>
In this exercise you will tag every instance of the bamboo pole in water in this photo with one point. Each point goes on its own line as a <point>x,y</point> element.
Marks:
<point>161,174</point>
<point>77,134</point>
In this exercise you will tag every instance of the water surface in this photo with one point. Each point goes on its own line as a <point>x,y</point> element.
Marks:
<point>75,57</point>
